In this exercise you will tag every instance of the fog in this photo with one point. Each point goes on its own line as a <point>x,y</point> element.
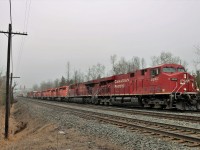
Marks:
<point>87,32</point>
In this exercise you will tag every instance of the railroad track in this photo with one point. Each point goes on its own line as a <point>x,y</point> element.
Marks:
<point>185,135</point>
<point>186,118</point>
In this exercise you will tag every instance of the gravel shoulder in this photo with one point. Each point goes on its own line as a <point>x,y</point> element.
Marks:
<point>48,128</point>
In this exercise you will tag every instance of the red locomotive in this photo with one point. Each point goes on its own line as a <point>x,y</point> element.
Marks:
<point>165,86</point>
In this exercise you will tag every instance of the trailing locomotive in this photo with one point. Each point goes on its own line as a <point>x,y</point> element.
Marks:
<point>166,86</point>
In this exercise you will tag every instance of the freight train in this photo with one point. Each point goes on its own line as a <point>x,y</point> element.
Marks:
<point>167,86</point>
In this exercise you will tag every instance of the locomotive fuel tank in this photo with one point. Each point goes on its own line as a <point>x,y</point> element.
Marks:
<point>127,101</point>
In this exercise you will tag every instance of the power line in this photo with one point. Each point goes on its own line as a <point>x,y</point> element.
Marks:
<point>25,28</point>
<point>25,16</point>
<point>28,16</point>
<point>20,53</point>
<point>22,39</point>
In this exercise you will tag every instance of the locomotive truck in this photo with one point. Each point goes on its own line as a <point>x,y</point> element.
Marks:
<point>167,86</point>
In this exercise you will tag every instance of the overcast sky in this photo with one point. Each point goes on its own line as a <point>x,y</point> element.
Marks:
<point>87,32</point>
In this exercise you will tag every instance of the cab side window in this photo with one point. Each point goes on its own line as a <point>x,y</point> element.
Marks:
<point>155,72</point>
<point>143,71</point>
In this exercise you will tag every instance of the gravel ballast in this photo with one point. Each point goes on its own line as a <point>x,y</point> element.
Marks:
<point>141,117</point>
<point>129,140</point>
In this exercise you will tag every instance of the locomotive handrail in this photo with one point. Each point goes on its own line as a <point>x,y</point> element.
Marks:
<point>179,88</point>
<point>98,90</point>
<point>95,93</point>
<point>175,87</point>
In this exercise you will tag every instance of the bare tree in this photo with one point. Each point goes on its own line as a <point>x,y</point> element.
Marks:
<point>88,75</point>
<point>197,59</point>
<point>12,93</point>
<point>75,78</point>
<point>167,58</point>
<point>143,63</point>
<point>155,60</point>
<point>2,86</point>
<point>122,66</point>
<point>81,77</point>
<point>197,78</point>
<point>35,87</point>
<point>136,62</point>
<point>197,65</point>
<point>96,71</point>
<point>56,83</point>
<point>100,70</point>
<point>125,66</point>
<point>113,59</point>
<point>1,78</point>
<point>44,85</point>
<point>68,72</point>
<point>62,81</point>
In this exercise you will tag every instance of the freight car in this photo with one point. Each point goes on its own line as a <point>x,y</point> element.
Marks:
<point>166,86</point>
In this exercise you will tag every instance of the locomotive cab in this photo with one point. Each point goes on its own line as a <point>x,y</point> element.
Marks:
<point>171,87</point>
<point>181,87</point>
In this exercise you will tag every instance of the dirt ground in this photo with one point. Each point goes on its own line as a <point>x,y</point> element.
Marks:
<point>28,132</point>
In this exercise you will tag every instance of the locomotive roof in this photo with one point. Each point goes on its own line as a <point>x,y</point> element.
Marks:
<point>164,65</point>
<point>111,78</point>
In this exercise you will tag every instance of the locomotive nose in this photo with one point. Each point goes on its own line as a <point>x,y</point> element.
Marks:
<point>186,83</point>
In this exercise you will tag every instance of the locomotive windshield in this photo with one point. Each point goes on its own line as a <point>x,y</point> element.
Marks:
<point>180,69</point>
<point>169,69</point>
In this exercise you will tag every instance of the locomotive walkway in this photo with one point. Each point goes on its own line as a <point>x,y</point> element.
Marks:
<point>185,135</point>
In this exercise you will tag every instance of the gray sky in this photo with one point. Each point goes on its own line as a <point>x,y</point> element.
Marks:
<point>87,32</point>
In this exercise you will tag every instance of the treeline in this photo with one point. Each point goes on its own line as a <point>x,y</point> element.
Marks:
<point>197,65</point>
<point>119,66</point>
<point>2,86</point>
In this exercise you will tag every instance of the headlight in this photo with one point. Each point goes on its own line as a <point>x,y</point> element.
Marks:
<point>185,76</point>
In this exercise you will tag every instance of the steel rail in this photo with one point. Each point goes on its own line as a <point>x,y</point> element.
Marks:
<point>186,118</point>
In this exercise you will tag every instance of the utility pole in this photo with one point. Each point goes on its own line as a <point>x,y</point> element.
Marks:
<point>10,91</point>
<point>10,33</point>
